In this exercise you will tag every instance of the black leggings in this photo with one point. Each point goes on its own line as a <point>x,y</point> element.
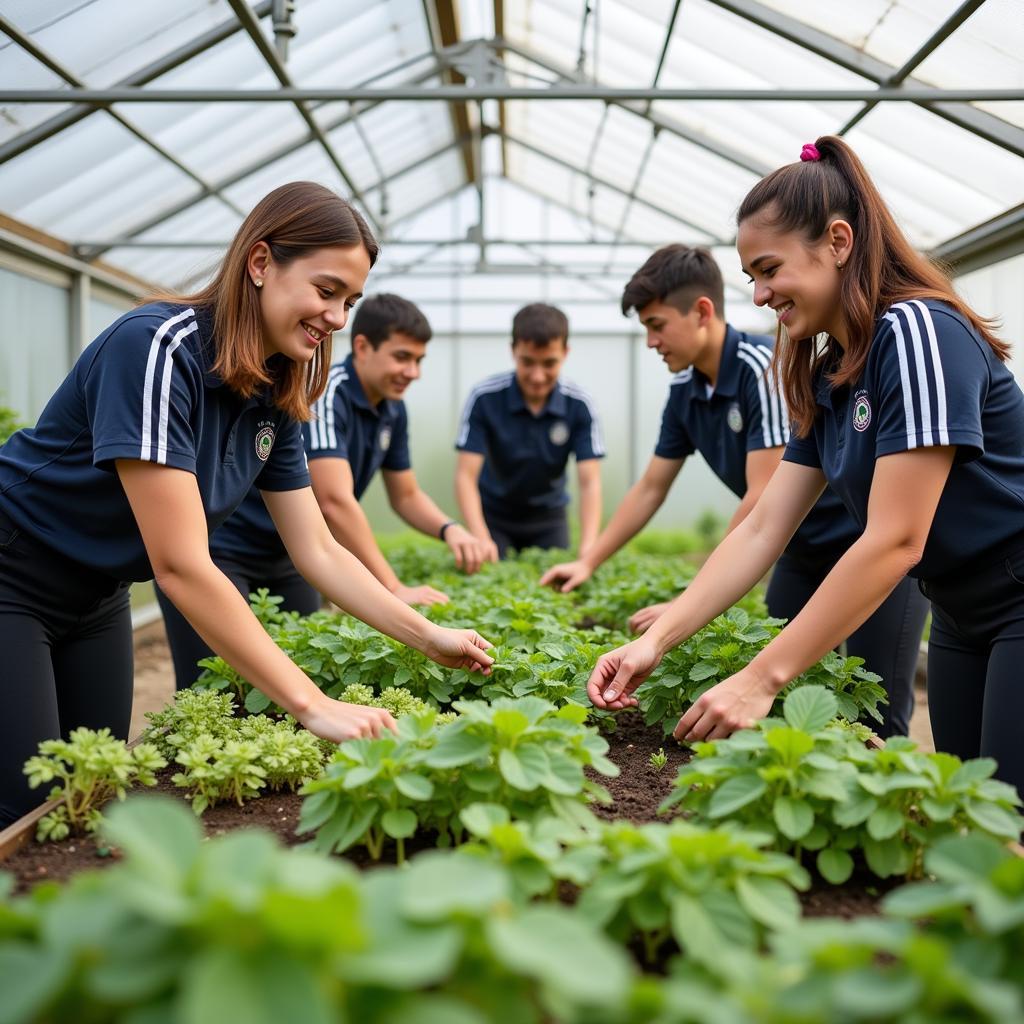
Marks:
<point>976,665</point>
<point>64,665</point>
<point>888,641</point>
<point>278,575</point>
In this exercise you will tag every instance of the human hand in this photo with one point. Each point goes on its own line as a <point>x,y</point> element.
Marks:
<point>470,552</point>
<point>420,595</point>
<point>337,721</point>
<point>735,703</point>
<point>641,621</point>
<point>569,574</point>
<point>459,648</point>
<point>618,673</point>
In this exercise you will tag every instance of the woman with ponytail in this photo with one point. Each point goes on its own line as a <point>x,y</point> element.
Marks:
<point>902,402</point>
<point>160,429</point>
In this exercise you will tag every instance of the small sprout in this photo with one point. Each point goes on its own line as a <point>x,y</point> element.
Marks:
<point>658,759</point>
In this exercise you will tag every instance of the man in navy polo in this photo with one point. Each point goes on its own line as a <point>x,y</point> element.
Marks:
<point>517,431</point>
<point>359,426</point>
<point>723,403</point>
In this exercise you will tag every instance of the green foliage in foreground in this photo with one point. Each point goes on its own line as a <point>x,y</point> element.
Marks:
<point>89,768</point>
<point>523,754</point>
<point>238,928</point>
<point>814,786</point>
<point>10,421</point>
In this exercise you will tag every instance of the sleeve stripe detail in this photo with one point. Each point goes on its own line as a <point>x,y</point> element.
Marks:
<point>322,433</point>
<point>498,382</point>
<point>917,377</point>
<point>575,391</point>
<point>774,417</point>
<point>149,384</point>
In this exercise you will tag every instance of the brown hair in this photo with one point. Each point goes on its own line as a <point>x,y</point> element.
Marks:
<point>539,324</point>
<point>678,276</point>
<point>883,267</point>
<point>379,316</point>
<point>294,221</point>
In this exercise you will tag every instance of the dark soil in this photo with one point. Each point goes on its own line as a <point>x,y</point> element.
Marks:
<point>636,794</point>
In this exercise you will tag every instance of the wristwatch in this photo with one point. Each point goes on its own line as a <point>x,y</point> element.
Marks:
<point>444,527</point>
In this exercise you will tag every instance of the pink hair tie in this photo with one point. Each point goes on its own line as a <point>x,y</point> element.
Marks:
<point>810,152</point>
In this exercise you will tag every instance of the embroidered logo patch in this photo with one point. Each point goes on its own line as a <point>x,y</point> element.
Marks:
<point>559,432</point>
<point>861,411</point>
<point>264,443</point>
<point>734,418</point>
<point>384,438</point>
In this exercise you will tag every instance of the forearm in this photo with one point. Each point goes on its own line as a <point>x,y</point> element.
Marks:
<point>467,493</point>
<point>590,513</point>
<point>419,511</point>
<point>735,566</point>
<point>632,515</point>
<point>742,511</point>
<point>351,529</point>
<point>858,583</point>
<point>222,617</point>
<point>345,580</point>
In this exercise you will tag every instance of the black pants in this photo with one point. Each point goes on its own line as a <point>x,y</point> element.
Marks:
<point>279,576</point>
<point>976,664</point>
<point>548,530</point>
<point>888,641</point>
<point>66,638</point>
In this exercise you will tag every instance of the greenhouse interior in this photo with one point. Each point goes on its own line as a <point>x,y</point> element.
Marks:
<point>718,720</point>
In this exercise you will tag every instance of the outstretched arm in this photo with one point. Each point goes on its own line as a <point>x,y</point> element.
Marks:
<point>468,467</point>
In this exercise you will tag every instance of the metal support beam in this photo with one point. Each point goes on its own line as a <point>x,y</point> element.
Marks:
<point>955,110</point>
<point>930,45</point>
<point>392,243</point>
<point>995,240</point>
<point>920,94</point>
<point>30,47</point>
<point>499,32</point>
<point>251,24</point>
<point>41,132</point>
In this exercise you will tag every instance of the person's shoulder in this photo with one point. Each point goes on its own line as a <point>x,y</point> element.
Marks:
<point>495,384</point>
<point>574,393</point>
<point>678,380</point>
<point>913,326</point>
<point>754,351</point>
<point>142,332</point>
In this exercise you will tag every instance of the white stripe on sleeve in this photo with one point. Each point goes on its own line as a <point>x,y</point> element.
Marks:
<point>905,382</point>
<point>165,390</point>
<point>942,422</point>
<point>323,428</point>
<point>575,391</point>
<point>149,382</point>
<point>769,430</point>
<point>776,406</point>
<point>489,385</point>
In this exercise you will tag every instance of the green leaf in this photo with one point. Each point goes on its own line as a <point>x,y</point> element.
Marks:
<point>794,817</point>
<point>415,787</point>
<point>967,858</point>
<point>159,835</point>
<point>525,767</point>
<point>994,819</point>
<point>854,811</point>
<point>482,818</point>
<point>511,723</point>
<point>399,823</point>
<point>834,865</point>
<point>885,822</point>
<point>887,857</point>
<point>563,952</point>
<point>735,793</point>
<point>768,900</point>
<point>922,899</point>
<point>436,886</point>
<point>972,772</point>
<point>703,670</point>
<point>256,702</point>
<point>457,746</point>
<point>810,708</point>
<point>31,977</point>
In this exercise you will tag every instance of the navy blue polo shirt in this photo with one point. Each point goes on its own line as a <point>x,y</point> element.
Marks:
<point>744,413</point>
<point>929,380</point>
<point>525,455</point>
<point>345,425</point>
<point>143,390</point>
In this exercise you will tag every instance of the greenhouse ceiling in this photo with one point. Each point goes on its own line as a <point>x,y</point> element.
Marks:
<point>498,147</point>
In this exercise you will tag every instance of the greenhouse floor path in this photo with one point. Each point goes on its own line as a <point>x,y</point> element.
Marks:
<point>154,685</point>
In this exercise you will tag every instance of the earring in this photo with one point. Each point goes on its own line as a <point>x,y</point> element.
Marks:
<point>839,264</point>
<point>259,281</point>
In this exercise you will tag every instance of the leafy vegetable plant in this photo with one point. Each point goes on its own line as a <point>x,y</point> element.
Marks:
<point>812,784</point>
<point>90,768</point>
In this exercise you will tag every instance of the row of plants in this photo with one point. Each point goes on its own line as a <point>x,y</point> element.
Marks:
<point>238,928</point>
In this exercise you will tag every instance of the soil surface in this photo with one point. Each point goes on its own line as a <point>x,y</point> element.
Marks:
<point>636,794</point>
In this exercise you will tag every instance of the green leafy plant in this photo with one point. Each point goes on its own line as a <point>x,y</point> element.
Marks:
<point>812,784</point>
<point>727,645</point>
<point>90,768</point>
<point>191,713</point>
<point>10,421</point>
<point>658,759</point>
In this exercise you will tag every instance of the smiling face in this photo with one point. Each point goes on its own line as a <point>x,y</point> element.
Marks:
<point>538,367</point>
<point>303,302</point>
<point>797,279</point>
<point>679,338</point>
<point>387,371</point>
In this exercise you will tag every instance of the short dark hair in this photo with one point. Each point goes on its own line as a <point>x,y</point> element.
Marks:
<point>677,275</point>
<point>377,317</point>
<point>540,324</point>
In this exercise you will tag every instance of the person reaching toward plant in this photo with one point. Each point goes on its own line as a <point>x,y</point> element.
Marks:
<point>162,426</point>
<point>723,402</point>
<point>358,426</point>
<point>903,403</point>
